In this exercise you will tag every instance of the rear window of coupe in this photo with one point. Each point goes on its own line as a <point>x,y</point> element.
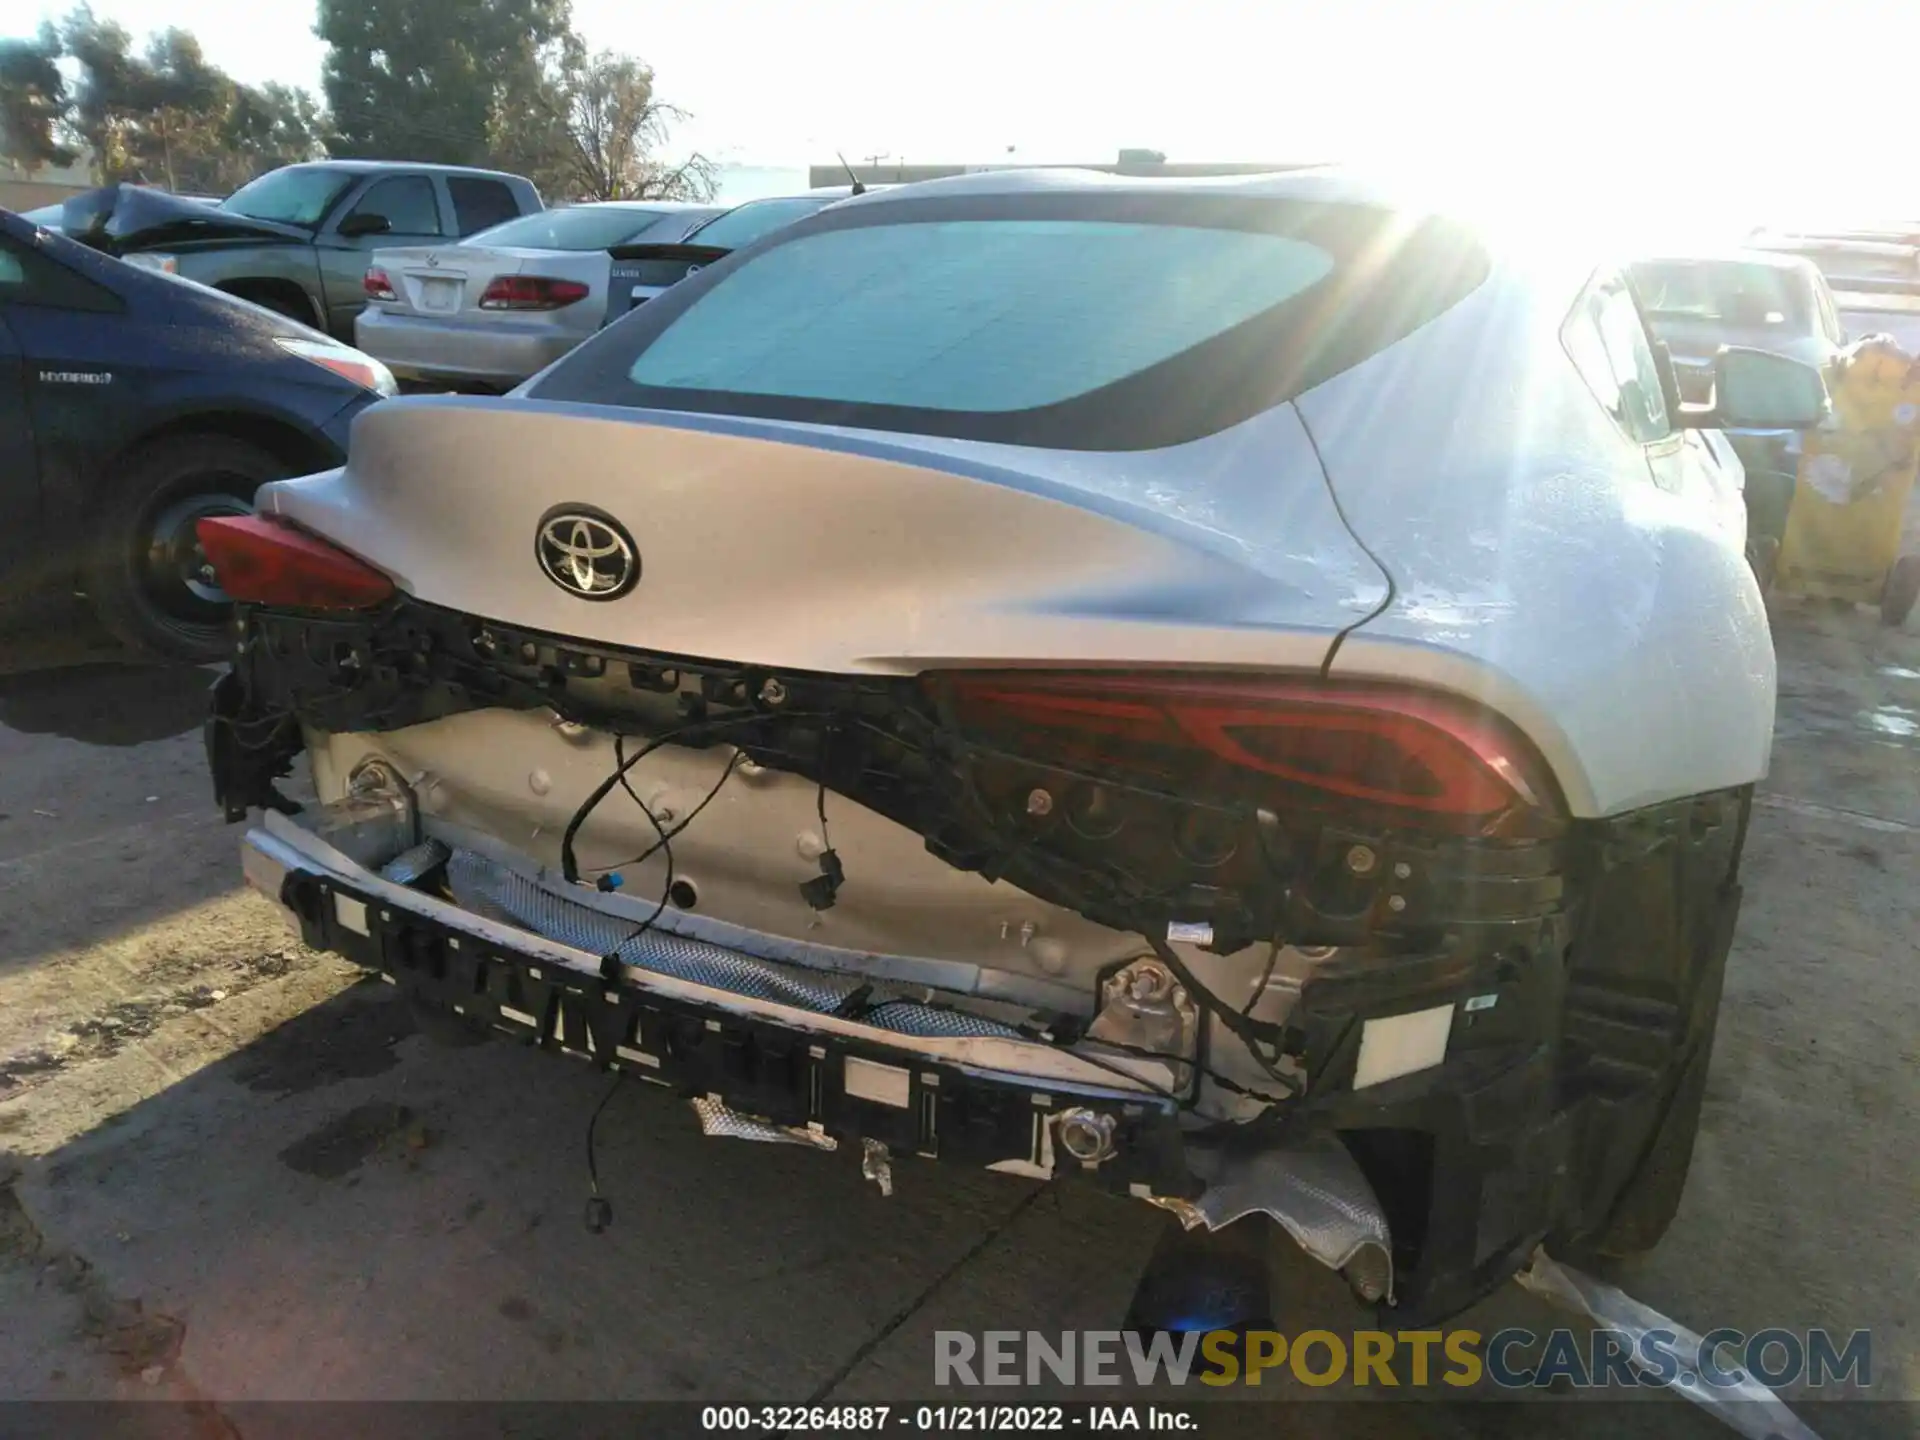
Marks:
<point>1025,322</point>
<point>577,227</point>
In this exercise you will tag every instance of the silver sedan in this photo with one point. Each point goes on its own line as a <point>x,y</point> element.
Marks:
<point>490,310</point>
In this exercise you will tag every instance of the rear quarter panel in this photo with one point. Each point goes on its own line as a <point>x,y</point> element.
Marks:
<point>1537,564</point>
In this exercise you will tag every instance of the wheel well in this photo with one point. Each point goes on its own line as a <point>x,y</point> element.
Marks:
<point>264,292</point>
<point>300,452</point>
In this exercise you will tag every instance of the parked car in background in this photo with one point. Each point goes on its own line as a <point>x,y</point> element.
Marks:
<point>297,240</point>
<point>985,702</point>
<point>1865,259</point>
<point>1874,274</point>
<point>644,268</point>
<point>1774,302</point>
<point>490,310</point>
<point>1754,299</point>
<point>133,405</point>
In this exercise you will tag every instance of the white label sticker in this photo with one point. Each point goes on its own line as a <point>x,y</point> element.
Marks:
<point>870,1080</point>
<point>351,913</point>
<point>1397,1045</point>
<point>1189,932</point>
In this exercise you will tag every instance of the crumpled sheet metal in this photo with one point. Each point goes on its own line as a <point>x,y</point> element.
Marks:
<point>717,1119</point>
<point>1748,1407</point>
<point>502,894</point>
<point>1316,1192</point>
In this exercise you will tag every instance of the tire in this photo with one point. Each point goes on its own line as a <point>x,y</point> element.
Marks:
<point>1902,589</point>
<point>143,569</point>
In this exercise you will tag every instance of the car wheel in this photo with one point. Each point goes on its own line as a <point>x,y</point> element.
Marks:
<point>1902,589</point>
<point>145,573</point>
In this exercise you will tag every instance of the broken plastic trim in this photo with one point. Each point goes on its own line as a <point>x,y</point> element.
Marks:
<point>1746,1405</point>
<point>717,1118</point>
<point>1318,1195</point>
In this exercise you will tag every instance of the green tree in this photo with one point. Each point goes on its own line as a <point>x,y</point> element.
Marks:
<point>153,117</point>
<point>109,74</point>
<point>272,126</point>
<point>424,79</point>
<point>33,101</point>
<point>180,106</point>
<point>167,116</point>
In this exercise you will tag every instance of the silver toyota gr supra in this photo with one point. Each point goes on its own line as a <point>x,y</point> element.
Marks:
<point>1247,694</point>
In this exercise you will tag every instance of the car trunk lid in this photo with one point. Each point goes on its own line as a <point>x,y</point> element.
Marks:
<point>804,546</point>
<point>450,280</point>
<point>642,271</point>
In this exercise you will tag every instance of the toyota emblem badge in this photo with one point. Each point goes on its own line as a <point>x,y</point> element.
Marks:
<point>587,552</point>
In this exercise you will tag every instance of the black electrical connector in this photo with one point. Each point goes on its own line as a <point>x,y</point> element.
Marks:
<point>821,891</point>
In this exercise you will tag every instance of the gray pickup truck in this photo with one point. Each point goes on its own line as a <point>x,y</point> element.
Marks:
<point>297,240</point>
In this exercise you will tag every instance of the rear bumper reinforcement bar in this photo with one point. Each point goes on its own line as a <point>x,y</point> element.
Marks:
<point>979,1101</point>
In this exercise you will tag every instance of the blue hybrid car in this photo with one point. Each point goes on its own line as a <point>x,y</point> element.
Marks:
<point>132,405</point>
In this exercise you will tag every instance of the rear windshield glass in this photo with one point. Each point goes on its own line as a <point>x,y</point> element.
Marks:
<point>744,224</point>
<point>988,315</point>
<point>578,227</point>
<point>1729,293</point>
<point>1121,330</point>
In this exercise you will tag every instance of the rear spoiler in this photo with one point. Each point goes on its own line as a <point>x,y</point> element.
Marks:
<point>686,254</point>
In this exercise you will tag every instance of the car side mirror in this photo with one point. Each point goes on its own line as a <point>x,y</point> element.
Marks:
<point>365,224</point>
<point>1754,390</point>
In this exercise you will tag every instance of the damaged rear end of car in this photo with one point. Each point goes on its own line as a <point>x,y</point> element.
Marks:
<point>935,751</point>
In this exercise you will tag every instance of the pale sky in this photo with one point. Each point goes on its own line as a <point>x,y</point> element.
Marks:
<point>1608,109</point>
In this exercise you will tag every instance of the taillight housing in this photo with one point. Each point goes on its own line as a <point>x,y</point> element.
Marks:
<point>1395,756</point>
<point>263,560</point>
<point>531,292</point>
<point>377,285</point>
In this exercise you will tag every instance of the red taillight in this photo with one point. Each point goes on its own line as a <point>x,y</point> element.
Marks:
<point>1433,760</point>
<point>263,561</point>
<point>377,285</point>
<point>531,292</point>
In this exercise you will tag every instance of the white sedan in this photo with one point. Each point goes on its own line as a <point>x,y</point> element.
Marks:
<point>1246,694</point>
<point>488,311</point>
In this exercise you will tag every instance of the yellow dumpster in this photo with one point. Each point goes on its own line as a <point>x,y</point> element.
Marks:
<point>1843,531</point>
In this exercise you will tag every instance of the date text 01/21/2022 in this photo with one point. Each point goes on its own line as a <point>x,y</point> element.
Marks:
<point>943,1419</point>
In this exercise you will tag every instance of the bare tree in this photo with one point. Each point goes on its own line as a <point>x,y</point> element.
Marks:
<point>594,130</point>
